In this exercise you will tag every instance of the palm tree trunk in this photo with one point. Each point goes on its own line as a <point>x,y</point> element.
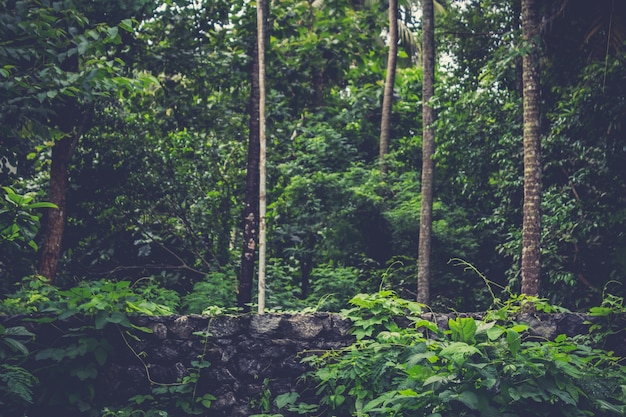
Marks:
<point>428,149</point>
<point>531,226</point>
<point>385,120</point>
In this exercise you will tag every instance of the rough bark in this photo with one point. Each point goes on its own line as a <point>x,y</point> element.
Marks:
<point>531,226</point>
<point>428,149</point>
<point>72,121</point>
<point>56,218</point>
<point>385,120</point>
<point>251,200</point>
<point>251,203</point>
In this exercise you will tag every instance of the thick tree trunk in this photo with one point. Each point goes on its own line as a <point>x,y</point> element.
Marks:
<point>531,227</point>
<point>385,120</point>
<point>55,224</point>
<point>428,149</point>
<point>251,203</point>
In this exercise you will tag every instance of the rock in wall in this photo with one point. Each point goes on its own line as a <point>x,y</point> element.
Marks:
<point>238,360</point>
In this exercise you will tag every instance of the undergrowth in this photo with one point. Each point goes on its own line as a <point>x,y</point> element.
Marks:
<point>404,365</point>
<point>62,378</point>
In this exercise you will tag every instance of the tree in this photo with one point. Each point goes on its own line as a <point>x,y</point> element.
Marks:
<point>56,64</point>
<point>428,150</point>
<point>392,58</point>
<point>262,6</point>
<point>251,215</point>
<point>531,226</point>
<point>62,152</point>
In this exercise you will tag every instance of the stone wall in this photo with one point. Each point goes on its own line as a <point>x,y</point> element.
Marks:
<point>241,358</point>
<point>248,355</point>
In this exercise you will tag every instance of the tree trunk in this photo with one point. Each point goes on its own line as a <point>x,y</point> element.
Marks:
<point>531,226</point>
<point>385,120</point>
<point>251,201</point>
<point>428,149</point>
<point>72,121</point>
<point>55,223</point>
<point>262,5</point>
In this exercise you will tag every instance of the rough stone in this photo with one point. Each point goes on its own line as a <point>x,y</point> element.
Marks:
<point>305,327</point>
<point>159,330</point>
<point>224,326</point>
<point>247,354</point>
<point>265,325</point>
<point>541,326</point>
<point>181,328</point>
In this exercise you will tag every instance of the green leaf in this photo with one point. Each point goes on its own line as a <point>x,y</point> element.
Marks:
<point>600,311</point>
<point>16,345</point>
<point>469,399</point>
<point>494,333</point>
<point>617,409</point>
<point>87,372</point>
<point>519,328</point>
<point>428,325</point>
<point>18,331</point>
<point>513,340</point>
<point>288,398</point>
<point>408,393</point>
<point>101,355</point>
<point>101,320</point>
<point>458,352</point>
<point>127,25</point>
<point>436,379</point>
<point>42,204</point>
<point>67,313</point>
<point>463,329</point>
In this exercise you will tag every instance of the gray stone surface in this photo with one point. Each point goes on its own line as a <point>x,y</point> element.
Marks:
<point>247,354</point>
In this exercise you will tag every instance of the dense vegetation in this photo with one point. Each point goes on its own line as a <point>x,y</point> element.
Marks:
<point>133,117</point>
<point>155,97</point>
<point>402,362</point>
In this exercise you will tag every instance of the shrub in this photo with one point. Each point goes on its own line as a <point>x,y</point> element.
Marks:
<point>474,368</point>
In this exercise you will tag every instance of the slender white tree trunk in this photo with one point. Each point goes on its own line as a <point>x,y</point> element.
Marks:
<point>262,158</point>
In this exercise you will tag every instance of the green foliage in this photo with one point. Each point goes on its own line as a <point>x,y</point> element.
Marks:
<point>330,289</point>
<point>16,383</point>
<point>19,225</point>
<point>378,312</point>
<point>215,290</point>
<point>181,396</point>
<point>473,368</point>
<point>608,319</point>
<point>82,352</point>
<point>33,295</point>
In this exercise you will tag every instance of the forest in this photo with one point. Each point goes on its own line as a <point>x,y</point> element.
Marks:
<point>134,118</point>
<point>457,153</point>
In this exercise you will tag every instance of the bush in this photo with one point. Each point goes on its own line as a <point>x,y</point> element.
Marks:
<point>475,368</point>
